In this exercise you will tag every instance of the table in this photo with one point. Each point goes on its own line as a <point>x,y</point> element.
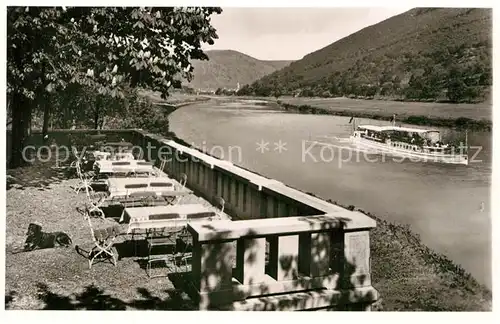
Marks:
<point>140,216</point>
<point>119,144</point>
<point>99,155</point>
<point>118,186</point>
<point>134,166</point>
<point>167,195</point>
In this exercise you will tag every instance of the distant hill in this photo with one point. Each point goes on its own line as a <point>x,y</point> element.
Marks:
<point>424,54</point>
<point>225,68</point>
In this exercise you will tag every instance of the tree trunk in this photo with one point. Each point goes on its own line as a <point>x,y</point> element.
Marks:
<point>97,110</point>
<point>63,107</point>
<point>46,115</point>
<point>21,121</point>
<point>103,122</point>
<point>96,118</point>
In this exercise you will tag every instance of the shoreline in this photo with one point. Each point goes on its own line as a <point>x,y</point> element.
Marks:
<point>459,123</point>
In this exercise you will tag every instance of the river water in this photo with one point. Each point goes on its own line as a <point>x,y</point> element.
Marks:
<point>447,205</point>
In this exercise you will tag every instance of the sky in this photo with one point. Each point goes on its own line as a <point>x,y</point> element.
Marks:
<point>291,33</point>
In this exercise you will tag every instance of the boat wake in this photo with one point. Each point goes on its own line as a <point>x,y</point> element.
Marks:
<point>335,138</point>
<point>339,143</point>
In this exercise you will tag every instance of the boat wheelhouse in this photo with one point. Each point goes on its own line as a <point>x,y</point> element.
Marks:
<point>413,143</point>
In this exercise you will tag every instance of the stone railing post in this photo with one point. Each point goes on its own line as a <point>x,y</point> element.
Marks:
<point>284,257</point>
<point>251,260</point>
<point>212,272</point>
<point>315,252</point>
<point>357,259</point>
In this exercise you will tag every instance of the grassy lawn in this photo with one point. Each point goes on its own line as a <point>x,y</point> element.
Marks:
<point>410,276</point>
<point>407,274</point>
<point>402,109</point>
<point>175,98</point>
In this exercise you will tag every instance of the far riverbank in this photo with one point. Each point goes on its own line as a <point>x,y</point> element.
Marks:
<point>476,117</point>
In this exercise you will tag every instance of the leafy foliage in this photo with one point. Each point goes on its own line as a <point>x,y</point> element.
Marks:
<point>79,107</point>
<point>105,47</point>
<point>225,92</point>
<point>422,55</point>
<point>141,113</point>
<point>105,50</point>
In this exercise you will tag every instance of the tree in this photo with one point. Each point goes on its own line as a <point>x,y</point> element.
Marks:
<point>245,90</point>
<point>416,87</point>
<point>106,49</point>
<point>142,114</point>
<point>456,84</point>
<point>277,91</point>
<point>334,90</point>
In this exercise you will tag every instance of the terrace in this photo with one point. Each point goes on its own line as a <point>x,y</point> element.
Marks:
<point>274,248</point>
<point>239,260</point>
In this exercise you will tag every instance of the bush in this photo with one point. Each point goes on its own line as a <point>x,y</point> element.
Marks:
<point>141,113</point>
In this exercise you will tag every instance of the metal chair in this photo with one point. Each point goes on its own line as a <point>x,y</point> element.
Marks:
<point>140,198</point>
<point>159,172</point>
<point>171,197</point>
<point>103,243</point>
<point>95,202</point>
<point>183,181</point>
<point>120,172</point>
<point>184,240</point>
<point>220,202</point>
<point>76,157</point>
<point>165,237</point>
<point>184,245</point>
<point>181,187</point>
<point>85,179</point>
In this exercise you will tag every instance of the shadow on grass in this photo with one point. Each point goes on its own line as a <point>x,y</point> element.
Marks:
<point>132,248</point>
<point>43,170</point>
<point>9,297</point>
<point>38,175</point>
<point>94,298</point>
<point>102,258</point>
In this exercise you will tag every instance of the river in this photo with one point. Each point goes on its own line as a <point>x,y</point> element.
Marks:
<point>447,205</point>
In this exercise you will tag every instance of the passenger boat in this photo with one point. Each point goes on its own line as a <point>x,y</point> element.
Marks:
<point>420,145</point>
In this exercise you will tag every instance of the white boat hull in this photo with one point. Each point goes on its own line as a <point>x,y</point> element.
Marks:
<point>414,156</point>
